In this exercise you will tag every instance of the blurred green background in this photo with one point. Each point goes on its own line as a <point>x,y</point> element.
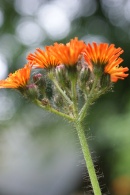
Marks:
<point>40,152</point>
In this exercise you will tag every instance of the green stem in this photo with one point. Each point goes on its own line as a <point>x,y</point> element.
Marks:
<point>89,100</point>
<point>88,158</point>
<point>62,92</point>
<point>50,109</point>
<point>74,97</point>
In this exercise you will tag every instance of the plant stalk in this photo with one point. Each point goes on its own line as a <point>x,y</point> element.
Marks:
<point>62,92</point>
<point>77,121</point>
<point>50,109</point>
<point>74,97</point>
<point>91,97</point>
<point>88,158</point>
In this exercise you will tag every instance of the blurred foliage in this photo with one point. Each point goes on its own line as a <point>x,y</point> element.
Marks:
<point>38,150</point>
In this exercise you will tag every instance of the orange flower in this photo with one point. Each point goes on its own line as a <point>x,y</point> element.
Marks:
<point>42,59</point>
<point>19,79</point>
<point>67,54</point>
<point>108,57</point>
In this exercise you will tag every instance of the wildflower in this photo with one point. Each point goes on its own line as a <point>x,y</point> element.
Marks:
<point>57,54</point>
<point>68,54</point>
<point>17,80</point>
<point>42,59</point>
<point>107,58</point>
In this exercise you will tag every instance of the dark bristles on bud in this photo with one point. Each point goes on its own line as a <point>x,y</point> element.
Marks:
<point>32,91</point>
<point>60,69</point>
<point>39,80</point>
<point>37,77</point>
<point>61,73</point>
<point>58,100</point>
<point>84,74</point>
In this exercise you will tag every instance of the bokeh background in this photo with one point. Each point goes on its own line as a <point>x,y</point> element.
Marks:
<point>40,152</point>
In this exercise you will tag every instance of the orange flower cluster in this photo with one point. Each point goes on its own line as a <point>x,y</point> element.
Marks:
<point>19,79</point>
<point>69,54</point>
<point>107,56</point>
<point>43,59</point>
<point>58,54</point>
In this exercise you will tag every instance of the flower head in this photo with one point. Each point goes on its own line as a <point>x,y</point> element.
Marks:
<point>17,80</point>
<point>67,54</point>
<point>57,54</point>
<point>106,57</point>
<point>42,59</point>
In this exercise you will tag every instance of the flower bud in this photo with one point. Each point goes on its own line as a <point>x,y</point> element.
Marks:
<point>40,82</point>
<point>84,74</point>
<point>60,69</point>
<point>60,72</point>
<point>58,100</point>
<point>62,76</point>
<point>80,63</point>
<point>37,77</point>
<point>32,91</point>
<point>84,77</point>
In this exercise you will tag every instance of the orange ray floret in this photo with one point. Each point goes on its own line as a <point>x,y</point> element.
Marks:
<point>18,79</point>
<point>67,54</point>
<point>107,56</point>
<point>42,59</point>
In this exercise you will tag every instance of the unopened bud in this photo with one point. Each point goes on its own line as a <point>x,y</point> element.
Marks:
<point>62,76</point>
<point>60,69</point>
<point>37,77</point>
<point>58,100</point>
<point>84,74</point>
<point>40,82</point>
<point>80,63</point>
<point>32,91</point>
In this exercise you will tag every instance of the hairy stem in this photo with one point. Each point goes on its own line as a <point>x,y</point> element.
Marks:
<point>88,158</point>
<point>50,109</point>
<point>90,99</point>
<point>74,97</point>
<point>62,92</point>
